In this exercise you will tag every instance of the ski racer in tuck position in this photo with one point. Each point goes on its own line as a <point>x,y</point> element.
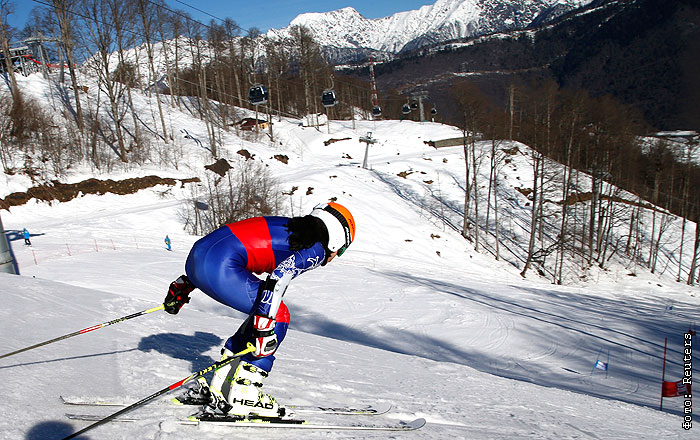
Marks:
<point>222,264</point>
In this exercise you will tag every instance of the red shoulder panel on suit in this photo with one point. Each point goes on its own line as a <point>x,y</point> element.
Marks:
<point>255,237</point>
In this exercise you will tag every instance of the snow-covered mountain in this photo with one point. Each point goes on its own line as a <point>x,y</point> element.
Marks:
<point>444,20</point>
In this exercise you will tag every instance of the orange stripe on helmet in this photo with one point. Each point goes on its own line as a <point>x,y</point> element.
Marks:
<point>348,217</point>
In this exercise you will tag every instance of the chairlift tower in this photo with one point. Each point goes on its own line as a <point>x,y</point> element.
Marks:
<point>367,140</point>
<point>420,96</point>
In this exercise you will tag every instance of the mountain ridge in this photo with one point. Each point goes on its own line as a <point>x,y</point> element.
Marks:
<point>410,30</point>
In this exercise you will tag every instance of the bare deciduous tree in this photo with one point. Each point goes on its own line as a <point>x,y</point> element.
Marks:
<point>65,22</point>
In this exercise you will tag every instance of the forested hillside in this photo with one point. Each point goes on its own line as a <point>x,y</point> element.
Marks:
<point>643,53</point>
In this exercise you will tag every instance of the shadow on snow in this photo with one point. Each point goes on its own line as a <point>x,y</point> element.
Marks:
<point>190,348</point>
<point>631,330</point>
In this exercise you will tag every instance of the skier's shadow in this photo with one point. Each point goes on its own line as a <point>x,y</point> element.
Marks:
<point>186,347</point>
<point>15,234</point>
<point>51,430</point>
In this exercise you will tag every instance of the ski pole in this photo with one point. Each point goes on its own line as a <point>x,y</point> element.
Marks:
<point>216,365</point>
<point>85,330</point>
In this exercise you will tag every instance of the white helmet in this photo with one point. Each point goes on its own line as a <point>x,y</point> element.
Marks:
<point>339,223</point>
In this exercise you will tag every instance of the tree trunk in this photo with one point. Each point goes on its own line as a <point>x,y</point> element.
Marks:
<point>694,259</point>
<point>151,66</point>
<point>467,183</point>
<point>533,218</point>
<point>476,195</point>
<point>67,42</point>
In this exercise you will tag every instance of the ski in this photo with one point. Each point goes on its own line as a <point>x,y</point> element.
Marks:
<point>303,424</point>
<point>273,422</point>
<point>369,410</point>
<point>377,409</point>
<point>96,418</point>
<point>372,409</point>
<point>90,401</point>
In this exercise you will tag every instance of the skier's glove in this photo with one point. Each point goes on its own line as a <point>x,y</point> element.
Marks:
<point>264,337</point>
<point>178,295</point>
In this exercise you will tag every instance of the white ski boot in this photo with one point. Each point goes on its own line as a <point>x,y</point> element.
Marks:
<point>235,391</point>
<point>245,395</point>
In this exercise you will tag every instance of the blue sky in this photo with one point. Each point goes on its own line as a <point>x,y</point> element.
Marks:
<point>263,15</point>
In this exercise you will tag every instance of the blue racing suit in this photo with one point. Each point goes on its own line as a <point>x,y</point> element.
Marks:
<point>222,265</point>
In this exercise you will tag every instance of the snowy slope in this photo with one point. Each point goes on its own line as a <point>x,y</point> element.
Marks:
<point>461,347</point>
<point>457,338</point>
<point>337,359</point>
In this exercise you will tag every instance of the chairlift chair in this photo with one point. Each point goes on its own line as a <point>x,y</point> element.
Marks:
<point>258,94</point>
<point>328,98</point>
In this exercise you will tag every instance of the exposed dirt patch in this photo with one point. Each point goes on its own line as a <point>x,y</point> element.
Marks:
<point>332,141</point>
<point>407,173</point>
<point>511,151</point>
<point>219,167</point>
<point>524,191</point>
<point>588,196</point>
<point>282,158</point>
<point>583,197</point>
<point>291,192</point>
<point>64,192</point>
<point>245,153</point>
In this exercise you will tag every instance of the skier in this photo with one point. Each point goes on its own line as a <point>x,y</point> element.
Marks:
<point>168,242</point>
<point>222,263</point>
<point>27,242</point>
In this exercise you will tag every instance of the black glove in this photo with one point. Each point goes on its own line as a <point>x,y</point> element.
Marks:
<point>178,295</point>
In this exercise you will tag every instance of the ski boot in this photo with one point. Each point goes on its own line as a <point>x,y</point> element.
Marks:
<point>245,397</point>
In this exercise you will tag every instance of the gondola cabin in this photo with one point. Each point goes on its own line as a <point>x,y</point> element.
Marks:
<point>258,95</point>
<point>433,111</point>
<point>406,109</point>
<point>377,111</point>
<point>329,99</point>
